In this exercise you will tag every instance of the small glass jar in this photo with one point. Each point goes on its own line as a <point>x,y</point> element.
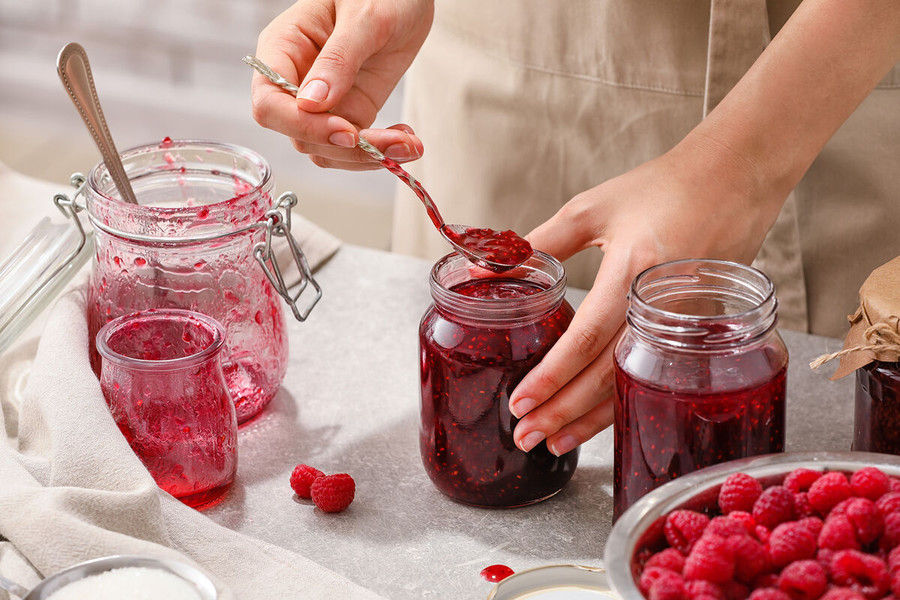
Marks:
<point>700,374</point>
<point>877,414</point>
<point>482,334</point>
<point>162,378</point>
<point>205,212</point>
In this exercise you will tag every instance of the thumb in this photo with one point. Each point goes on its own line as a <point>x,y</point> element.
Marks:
<point>564,234</point>
<point>334,70</point>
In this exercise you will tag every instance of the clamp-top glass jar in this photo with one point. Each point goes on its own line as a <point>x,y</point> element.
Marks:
<point>200,239</point>
<point>477,341</point>
<point>700,374</point>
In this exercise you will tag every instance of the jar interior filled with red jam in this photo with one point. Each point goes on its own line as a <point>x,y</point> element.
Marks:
<point>877,415</point>
<point>700,374</point>
<point>479,338</point>
<point>189,244</point>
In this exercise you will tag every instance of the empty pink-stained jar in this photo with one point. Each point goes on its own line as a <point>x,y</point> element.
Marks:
<point>162,378</point>
<point>200,239</point>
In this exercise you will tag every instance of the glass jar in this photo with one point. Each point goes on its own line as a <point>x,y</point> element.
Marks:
<point>876,419</point>
<point>162,378</point>
<point>482,334</point>
<point>200,240</point>
<point>700,374</point>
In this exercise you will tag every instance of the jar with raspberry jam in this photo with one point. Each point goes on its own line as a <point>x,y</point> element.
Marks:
<point>201,239</point>
<point>482,334</point>
<point>700,374</point>
<point>877,414</point>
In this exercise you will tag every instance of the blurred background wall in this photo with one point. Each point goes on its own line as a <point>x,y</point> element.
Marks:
<point>164,68</point>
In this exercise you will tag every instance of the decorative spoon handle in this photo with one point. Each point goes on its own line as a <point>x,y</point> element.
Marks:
<point>75,72</point>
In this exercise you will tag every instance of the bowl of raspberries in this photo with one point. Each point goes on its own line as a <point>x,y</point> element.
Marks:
<point>790,526</point>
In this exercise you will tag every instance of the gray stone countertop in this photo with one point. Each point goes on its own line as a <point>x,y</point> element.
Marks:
<point>350,403</point>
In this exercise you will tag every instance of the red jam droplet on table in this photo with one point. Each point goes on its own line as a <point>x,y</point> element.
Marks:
<point>505,248</point>
<point>495,573</point>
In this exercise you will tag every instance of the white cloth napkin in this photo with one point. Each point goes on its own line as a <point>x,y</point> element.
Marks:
<point>72,490</point>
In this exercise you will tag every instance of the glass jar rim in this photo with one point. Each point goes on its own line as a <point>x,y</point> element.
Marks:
<point>99,198</point>
<point>736,281</point>
<point>541,268</point>
<point>208,323</point>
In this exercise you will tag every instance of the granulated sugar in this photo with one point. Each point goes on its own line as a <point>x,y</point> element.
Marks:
<point>129,583</point>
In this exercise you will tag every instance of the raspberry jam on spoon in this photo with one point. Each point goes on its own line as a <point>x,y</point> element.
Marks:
<point>496,251</point>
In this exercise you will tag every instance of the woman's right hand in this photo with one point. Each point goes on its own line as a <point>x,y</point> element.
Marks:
<point>348,56</point>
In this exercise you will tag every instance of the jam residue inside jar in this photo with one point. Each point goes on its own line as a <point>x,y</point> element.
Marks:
<point>469,366</point>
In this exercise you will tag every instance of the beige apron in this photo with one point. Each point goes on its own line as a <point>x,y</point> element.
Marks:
<point>523,104</point>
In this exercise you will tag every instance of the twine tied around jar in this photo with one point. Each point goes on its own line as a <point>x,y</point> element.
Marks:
<point>875,326</point>
<point>880,338</point>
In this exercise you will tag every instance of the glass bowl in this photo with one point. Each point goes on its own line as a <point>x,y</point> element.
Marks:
<point>641,525</point>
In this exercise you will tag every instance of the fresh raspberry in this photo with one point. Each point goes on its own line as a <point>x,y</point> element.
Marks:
<point>890,538</point>
<point>649,576</point>
<point>769,593</point>
<point>895,484</point>
<point>668,586</point>
<point>670,559</point>
<point>791,542</point>
<point>866,519</point>
<point>838,533</point>
<point>813,524</point>
<point>684,527</point>
<point>893,560</point>
<point>802,507</point>
<point>828,490</point>
<point>888,503</point>
<point>734,590</point>
<point>710,559</point>
<point>725,527</point>
<point>699,588</point>
<point>870,482</point>
<point>333,493</point>
<point>863,572</point>
<point>745,519</point>
<point>302,477</point>
<point>738,492</point>
<point>762,533</point>
<point>800,480</point>
<point>750,557</point>
<point>895,582</point>
<point>804,580</point>
<point>775,505</point>
<point>842,593</point>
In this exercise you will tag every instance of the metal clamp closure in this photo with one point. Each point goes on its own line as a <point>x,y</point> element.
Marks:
<point>278,224</point>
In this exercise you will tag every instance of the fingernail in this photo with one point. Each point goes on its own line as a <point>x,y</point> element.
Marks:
<point>531,440</point>
<point>342,139</point>
<point>566,443</point>
<point>400,152</point>
<point>522,407</point>
<point>314,91</point>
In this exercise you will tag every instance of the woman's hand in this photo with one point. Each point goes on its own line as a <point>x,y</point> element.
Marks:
<point>692,202</point>
<point>347,57</point>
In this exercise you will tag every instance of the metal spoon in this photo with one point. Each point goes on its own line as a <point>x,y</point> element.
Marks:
<point>493,250</point>
<point>75,72</point>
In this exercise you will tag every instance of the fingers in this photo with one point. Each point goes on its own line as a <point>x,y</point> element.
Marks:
<point>397,142</point>
<point>576,413</point>
<point>572,229</point>
<point>592,330</point>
